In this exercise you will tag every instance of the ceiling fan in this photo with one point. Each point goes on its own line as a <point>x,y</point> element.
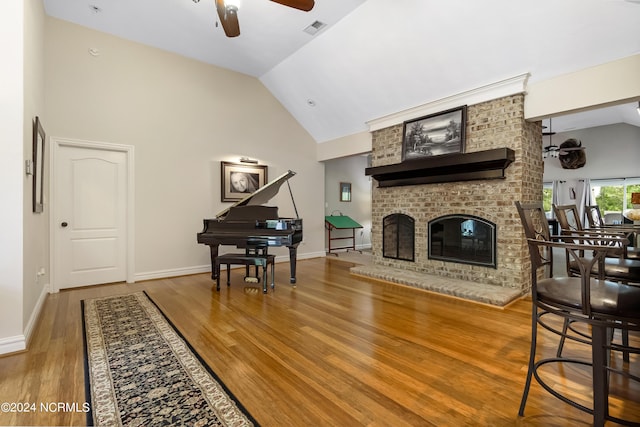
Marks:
<point>228,13</point>
<point>564,149</point>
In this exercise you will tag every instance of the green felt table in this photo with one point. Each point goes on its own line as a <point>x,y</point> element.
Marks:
<point>341,221</point>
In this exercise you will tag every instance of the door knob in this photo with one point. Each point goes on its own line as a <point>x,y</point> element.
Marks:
<point>64,224</point>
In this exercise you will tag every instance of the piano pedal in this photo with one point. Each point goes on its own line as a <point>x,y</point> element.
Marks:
<point>251,279</point>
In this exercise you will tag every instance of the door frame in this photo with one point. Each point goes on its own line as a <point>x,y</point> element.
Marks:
<point>58,143</point>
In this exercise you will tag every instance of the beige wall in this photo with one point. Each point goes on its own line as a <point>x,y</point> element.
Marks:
<point>606,84</point>
<point>24,243</point>
<point>358,143</point>
<point>36,226</point>
<point>12,142</point>
<point>183,117</point>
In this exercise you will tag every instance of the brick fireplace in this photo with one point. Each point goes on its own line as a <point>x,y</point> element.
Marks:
<point>491,125</point>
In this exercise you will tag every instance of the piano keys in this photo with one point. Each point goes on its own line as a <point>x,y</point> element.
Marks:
<point>249,224</point>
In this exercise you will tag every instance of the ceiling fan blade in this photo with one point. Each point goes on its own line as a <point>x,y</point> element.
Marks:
<point>228,18</point>
<point>305,5</point>
<point>565,151</point>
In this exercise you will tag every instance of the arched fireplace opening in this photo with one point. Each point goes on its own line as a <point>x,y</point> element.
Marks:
<point>398,237</point>
<point>464,239</point>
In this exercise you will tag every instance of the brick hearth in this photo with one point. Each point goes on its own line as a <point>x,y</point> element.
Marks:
<point>478,292</point>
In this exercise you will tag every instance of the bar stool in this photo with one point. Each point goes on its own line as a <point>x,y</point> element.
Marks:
<point>601,305</point>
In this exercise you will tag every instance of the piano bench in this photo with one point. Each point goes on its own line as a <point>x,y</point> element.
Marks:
<point>246,260</point>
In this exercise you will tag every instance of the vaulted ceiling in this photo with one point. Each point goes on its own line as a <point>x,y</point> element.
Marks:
<point>376,57</point>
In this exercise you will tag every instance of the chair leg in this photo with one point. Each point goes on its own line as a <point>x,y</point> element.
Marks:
<point>565,328</point>
<point>217,273</point>
<point>273,275</point>
<point>532,356</point>
<point>600,377</point>
<point>264,277</point>
<point>625,343</point>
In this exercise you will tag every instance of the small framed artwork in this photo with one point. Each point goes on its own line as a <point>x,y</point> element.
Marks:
<point>345,191</point>
<point>38,166</point>
<point>435,135</point>
<point>239,180</point>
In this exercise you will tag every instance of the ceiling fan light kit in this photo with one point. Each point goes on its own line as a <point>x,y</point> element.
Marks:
<point>228,12</point>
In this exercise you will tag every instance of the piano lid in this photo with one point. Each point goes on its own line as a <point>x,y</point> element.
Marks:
<point>262,195</point>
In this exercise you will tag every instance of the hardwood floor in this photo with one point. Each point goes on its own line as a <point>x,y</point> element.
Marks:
<point>337,350</point>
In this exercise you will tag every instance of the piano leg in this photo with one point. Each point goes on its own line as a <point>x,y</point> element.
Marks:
<point>293,250</point>
<point>214,255</point>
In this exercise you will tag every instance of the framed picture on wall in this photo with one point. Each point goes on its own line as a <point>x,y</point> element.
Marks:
<point>435,135</point>
<point>345,191</point>
<point>239,180</point>
<point>38,166</point>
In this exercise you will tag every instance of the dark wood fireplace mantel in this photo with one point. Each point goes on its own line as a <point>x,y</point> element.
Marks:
<point>488,164</point>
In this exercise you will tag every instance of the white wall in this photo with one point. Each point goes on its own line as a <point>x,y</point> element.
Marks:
<point>349,169</point>
<point>183,117</point>
<point>612,151</point>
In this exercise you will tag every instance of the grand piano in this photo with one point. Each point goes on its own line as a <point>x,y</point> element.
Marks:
<point>249,224</point>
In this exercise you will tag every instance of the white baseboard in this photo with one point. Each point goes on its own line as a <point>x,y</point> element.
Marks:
<point>20,342</point>
<point>185,271</point>
<point>173,272</point>
<point>13,344</point>
<point>35,314</point>
<point>308,255</point>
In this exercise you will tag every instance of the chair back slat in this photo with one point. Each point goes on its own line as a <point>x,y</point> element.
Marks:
<point>594,216</point>
<point>568,218</point>
<point>536,226</point>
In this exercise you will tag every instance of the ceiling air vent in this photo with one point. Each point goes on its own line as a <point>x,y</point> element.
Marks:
<point>315,27</point>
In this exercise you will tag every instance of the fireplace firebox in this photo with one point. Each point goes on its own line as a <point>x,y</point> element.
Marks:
<point>464,239</point>
<point>398,237</point>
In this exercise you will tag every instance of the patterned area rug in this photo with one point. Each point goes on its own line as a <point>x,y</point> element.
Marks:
<point>141,371</point>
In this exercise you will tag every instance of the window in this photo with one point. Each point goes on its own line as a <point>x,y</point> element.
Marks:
<point>613,196</point>
<point>547,196</point>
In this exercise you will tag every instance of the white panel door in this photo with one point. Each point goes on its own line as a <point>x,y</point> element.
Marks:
<point>90,220</point>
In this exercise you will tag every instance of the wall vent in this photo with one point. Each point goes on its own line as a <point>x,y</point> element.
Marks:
<point>315,27</point>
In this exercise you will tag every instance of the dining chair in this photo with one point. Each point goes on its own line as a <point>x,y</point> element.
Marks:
<point>617,266</point>
<point>599,305</point>
<point>597,222</point>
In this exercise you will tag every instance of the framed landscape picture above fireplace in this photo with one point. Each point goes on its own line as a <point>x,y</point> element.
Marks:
<point>435,135</point>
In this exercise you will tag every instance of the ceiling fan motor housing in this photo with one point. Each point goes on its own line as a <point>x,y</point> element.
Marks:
<point>571,154</point>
